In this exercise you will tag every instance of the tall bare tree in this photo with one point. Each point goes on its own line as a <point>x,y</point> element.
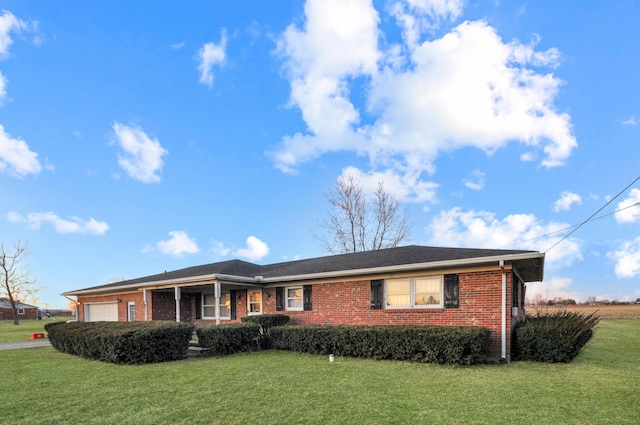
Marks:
<point>15,278</point>
<point>361,222</point>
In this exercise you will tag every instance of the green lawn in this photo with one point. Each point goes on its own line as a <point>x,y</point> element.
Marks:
<point>22,332</point>
<point>40,385</point>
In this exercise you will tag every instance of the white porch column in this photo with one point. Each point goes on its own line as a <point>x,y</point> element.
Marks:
<point>178,295</point>
<point>218,292</point>
<point>145,297</point>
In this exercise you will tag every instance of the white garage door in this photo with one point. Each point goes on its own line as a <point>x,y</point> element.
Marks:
<point>107,312</point>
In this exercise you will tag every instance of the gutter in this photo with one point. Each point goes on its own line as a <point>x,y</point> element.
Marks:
<point>503,338</point>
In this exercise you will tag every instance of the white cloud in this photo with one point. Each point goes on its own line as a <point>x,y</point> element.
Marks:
<point>555,287</point>
<point>477,180</point>
<point>630,121</point>
<point>255,250</point>
<point>211,54</point>
<point>567,199</point>
<point>178,244</point>
<point>318,71</point>
<point>219,249</point>
<point>482,229</point>
<point>466,89</point>
<point>9,23</point>
<point>627,259</point>
<point>405,188</point>
<point>141,157</point>
<point>417,17</point>
<point>73,225</point>
<point>16,159</point>
<point>3,88</point>
<point>628,211</point>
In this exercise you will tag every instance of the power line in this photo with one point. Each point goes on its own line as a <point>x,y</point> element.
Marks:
<point>571,227</point>
<point>591,217</point>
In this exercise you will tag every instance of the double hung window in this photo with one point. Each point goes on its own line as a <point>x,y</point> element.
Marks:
<point>209,306</point>
<point>294,298</point>
<point>254,302</point>
<point>414,292</point>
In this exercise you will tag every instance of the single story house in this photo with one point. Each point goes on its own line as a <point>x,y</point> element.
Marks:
<point>416,285</point>
<point>25,311</point>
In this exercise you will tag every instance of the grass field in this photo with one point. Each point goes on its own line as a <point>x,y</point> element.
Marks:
<point>12,333</point>
<point>41,385</point>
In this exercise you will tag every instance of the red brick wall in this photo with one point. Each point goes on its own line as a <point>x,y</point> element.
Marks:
<point>122,299</point>
<point>29,313</point>
<point>349,303</point>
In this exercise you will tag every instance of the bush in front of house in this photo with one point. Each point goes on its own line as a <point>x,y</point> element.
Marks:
<point>426,344</point>
<point>266,322</point>
<point>122,342</point>
<point>553,337</point>
<point>229,339</point>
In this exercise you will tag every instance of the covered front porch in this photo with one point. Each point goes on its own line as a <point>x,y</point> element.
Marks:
<point>203,304</point>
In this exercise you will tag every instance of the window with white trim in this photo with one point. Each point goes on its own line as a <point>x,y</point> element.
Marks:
<point>254,302</point>
<point>131,311</point>
<point>209,306</point>
<point>293,298</point>
<point>21,311</point>
<point>414,292</point>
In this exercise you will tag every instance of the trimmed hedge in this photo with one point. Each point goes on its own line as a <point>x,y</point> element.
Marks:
<point>229,339</point>
<point>426,344</point>
<point>266,322</point>
<point>122,342</point>
<point>553,337</point>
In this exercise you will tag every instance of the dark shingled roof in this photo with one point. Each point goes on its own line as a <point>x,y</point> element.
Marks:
<point>6,303</point>
<point>381,258</point>
<point>390,257</point>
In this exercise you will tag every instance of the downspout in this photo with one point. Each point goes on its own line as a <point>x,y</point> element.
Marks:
<point>145,297</point>
<point>178,295</point>
<point>503,342</point>
<point>218,290</point>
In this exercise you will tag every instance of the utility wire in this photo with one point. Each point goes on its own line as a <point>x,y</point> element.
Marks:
<point>591,217</point>
<point>571,227</point>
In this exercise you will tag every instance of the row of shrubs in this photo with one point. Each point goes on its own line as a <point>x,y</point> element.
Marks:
<point>553,337</point>
<point>429,344</point>
<point>556,337</point>
<point>254,333</point>
<point>426,344</point>
<point>122,342</point>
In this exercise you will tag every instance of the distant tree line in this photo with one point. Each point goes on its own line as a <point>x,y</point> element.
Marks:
<point>538,300</point>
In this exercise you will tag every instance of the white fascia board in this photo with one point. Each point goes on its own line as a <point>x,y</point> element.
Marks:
<point>183,281</point>
<point>407,267</point>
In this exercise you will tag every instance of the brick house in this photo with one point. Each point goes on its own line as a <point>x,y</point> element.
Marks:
<point>407,285</point>
<point>25,311</point>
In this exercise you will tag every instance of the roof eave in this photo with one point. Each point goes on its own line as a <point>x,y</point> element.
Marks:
<point>413,266</point>
<point>258,280</point>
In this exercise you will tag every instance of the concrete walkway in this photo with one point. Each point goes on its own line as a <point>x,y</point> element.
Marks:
<point>26,344</point>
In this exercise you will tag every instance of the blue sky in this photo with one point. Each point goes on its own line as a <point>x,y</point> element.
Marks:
<point>138,137</point>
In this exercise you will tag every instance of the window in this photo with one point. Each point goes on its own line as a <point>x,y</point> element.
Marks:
<point>414,292</point>
<point>255,302</point>
<point>209,306</point>
<point>131,311</point>
<point>294,298</point>
<point>21,311</point>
